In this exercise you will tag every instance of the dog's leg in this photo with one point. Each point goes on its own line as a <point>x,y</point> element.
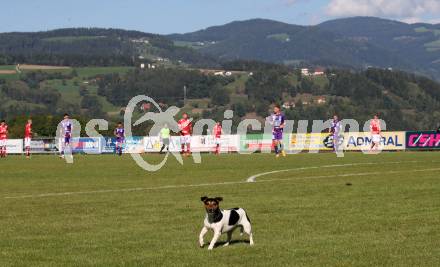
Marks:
<point>248,230</point>
<point>229,239</point>
<point>217,234</point>
<point>202,234</point>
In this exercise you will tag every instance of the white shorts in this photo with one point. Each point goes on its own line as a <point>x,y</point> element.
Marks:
<point>2,142</point>
<point>376,138</point>
<point>218,140</point>
<point>27,142</point>
<point>185,139</point>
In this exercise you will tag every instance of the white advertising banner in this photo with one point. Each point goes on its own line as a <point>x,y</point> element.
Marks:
<point>152,144</point>
<point>208,143</point>
<point>14,146</point>
<point>134,145</point>
<point>203,143</point>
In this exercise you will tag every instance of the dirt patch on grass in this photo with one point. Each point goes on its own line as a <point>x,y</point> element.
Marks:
<point>42,67</point>
<point>8,72</point>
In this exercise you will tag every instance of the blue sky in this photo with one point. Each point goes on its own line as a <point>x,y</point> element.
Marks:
<point>169,16</point>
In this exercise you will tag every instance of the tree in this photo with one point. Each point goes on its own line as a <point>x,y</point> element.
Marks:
<point>267,86</point>
<point>306,86</point>
<point>83,90</point>
<point>219,96</point>
<point>239,109</point>
<point>92,104</point>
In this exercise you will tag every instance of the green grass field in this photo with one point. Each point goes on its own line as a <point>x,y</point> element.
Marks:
<point>93,71</point>
<point>70,92</point>
<point>8,76</point>
<point>433,46</point>
<point>83,72</point>
<point>106,211</point>
<point>7,67</point>
<point>281,37</point>
<point>424,29</point>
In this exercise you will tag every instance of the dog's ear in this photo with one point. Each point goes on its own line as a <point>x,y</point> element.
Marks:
<point>219,199</point>
<point>203,198</point>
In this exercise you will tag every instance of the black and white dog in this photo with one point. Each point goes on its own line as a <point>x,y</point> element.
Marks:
<point>223,221</point>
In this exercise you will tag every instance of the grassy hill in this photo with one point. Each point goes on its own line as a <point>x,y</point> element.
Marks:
<point>71,85</point>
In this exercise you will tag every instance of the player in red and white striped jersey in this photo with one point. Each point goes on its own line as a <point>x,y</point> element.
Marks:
<point>217,132</point>
<point>28,138</point>
<point>375,131</point>
<point>185,127</point>
<point>3,138</point>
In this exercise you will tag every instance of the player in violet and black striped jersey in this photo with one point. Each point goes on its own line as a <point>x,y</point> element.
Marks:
<point>120,138</point>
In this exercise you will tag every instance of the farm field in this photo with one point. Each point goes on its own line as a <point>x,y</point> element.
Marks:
<point>360,210</point>
<point>8,72</point>
<point>93,71</point>
<point>83,72</point>
<point>42,67</point>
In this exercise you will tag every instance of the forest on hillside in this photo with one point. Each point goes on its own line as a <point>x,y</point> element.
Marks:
<point>405,101</point>
<point>93,47</point>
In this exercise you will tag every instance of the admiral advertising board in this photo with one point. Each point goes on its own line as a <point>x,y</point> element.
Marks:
<point>356,141</point>
<point>390,141</point>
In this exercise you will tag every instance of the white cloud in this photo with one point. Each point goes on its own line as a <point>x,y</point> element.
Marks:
<point>408,10</point>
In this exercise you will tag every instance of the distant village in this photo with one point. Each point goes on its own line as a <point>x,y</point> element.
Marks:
<point>316,72</point>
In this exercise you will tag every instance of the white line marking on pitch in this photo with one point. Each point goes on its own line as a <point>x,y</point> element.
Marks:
<point>253,178</point>
<point>222,183</point>
<point>348,175</point>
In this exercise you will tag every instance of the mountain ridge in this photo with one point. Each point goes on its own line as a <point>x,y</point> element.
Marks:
<point>356,42</point>
<point>359,42</point>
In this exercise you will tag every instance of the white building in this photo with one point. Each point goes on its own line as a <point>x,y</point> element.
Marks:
<point>318,72</point>
<point>305,72</point>
<point>321,100</point>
